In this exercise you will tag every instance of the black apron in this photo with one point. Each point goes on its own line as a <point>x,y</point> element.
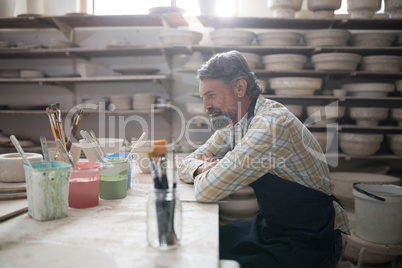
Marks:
<point>294,228</point>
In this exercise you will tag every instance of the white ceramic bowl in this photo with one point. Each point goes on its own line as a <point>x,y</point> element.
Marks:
<point>327,37</point>
<point>323,115</point>
<point>121,102</point>
<point>343,182</point>
<point>297,110</point>
<point>251,58</point>
<point>284,9</point>
<point>368,116</point>
<point>369,89</point>
<point>228,37</point>
<point>394,8</point>
<point>279,39</point>
<point>336,61</point>
<point>324,139</point>
<point>396,114</point>
<point>284,62</point>
<point>373,39</point>
<point>339,92</point>
<point>12,166</point>
<point>109,145</point>
<point>395,143</point>
<point>363,9</point>
<point>238,207</point>
<point>180,37</point>
<point>382,63</point>
<point>295,83</point>
<point>360,144</point>
<point>324,4</point>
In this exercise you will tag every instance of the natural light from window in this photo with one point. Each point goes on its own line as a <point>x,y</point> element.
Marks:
<point>131,7</point>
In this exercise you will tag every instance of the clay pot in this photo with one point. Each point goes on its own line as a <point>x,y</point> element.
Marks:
<point>382,63</point>
<point>363,9</point>
<point>368,116</point>
<point>372,39</point>
<point>394,8</point>
<point>327,37</point>
<point>7,8</point>
<point>336,61</point>
<point>324,8</point>
<point>279,38</point>
<point>395,143</point>
<point>228,37</point>
<point>180,37</point>
<point>296,86</point>
<point>369,89</point>
<point>360,144</point>
<point>284,8</point>
<point>284,62</point>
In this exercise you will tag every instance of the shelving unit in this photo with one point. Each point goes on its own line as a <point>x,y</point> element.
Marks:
<point>67,24</point>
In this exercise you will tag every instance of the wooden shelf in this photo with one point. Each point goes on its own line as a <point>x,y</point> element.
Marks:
<point>116,78</point>
<point>295,23</point>
<point>376,157</point>
<point>81,21</point>
<point>335,74</point>
<point>86,112</point>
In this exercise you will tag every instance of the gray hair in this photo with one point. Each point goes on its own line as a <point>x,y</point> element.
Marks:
<point>230,67</point>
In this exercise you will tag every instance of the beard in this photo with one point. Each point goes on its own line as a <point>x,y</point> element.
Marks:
<point>221,120</point>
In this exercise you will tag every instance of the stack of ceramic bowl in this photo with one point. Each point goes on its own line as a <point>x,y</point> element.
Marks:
<point>143,101</point>
<point>327,37</point>
<point>232,37</point>
<point>373,90</point>
<point>372,39</point>
<point>284,9</point>
<point>324,9</point>
<point>252,59</point>
<point>382,63</point>
<point>368,116</point>
<point>279,38</point>
<point>363,9</point>
<point>324,139</point>
<point>396,114</point>
<point>393,7</point>
<point>336,61</point>
<point>360,144</point>
<point>239,205</point>
<point>295,86</point>
<point>180,37</point>
<point>296,110</point>
<point>87,69</point>
<point>12,166</point>
<point>284,62</point>
<point>120,102</point>
<point>395,143</point>
<point>322,115</point>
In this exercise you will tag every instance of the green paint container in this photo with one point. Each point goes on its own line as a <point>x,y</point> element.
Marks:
<point>113,180</point>
<point>47,190</point>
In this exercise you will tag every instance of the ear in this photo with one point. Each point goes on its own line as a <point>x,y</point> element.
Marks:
<point>241,88</point>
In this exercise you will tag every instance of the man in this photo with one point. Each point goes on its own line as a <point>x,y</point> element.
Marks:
<point>259,143</point>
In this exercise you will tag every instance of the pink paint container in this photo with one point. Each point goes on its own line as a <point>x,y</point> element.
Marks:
<point>84,185</point>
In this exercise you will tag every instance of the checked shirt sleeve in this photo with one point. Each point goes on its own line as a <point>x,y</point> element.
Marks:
<point>266,142</point>
<point>217,145</point>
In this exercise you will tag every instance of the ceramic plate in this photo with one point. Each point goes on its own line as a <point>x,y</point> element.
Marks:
<point>131,71</point>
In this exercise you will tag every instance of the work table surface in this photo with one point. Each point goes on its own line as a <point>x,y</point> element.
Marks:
<point>112,234</point>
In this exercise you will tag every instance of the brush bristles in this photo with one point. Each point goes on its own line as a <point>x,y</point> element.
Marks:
<point>159,147</point>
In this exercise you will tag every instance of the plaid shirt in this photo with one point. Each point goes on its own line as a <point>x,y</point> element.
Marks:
<point>275,141</point>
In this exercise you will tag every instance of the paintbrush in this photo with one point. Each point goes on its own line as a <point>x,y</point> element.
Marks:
<point>76,121</point>
<point>62,134</point>
<point>53,128</point>
<point>159,149</point>
<point>152,167</point>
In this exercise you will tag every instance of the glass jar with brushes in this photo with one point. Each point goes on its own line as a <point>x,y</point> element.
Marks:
<point>164,219</point>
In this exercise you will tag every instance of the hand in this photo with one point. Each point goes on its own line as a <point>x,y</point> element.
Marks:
<point>211,162</point>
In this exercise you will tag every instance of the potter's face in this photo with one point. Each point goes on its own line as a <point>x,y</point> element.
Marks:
<point>219,102</point>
